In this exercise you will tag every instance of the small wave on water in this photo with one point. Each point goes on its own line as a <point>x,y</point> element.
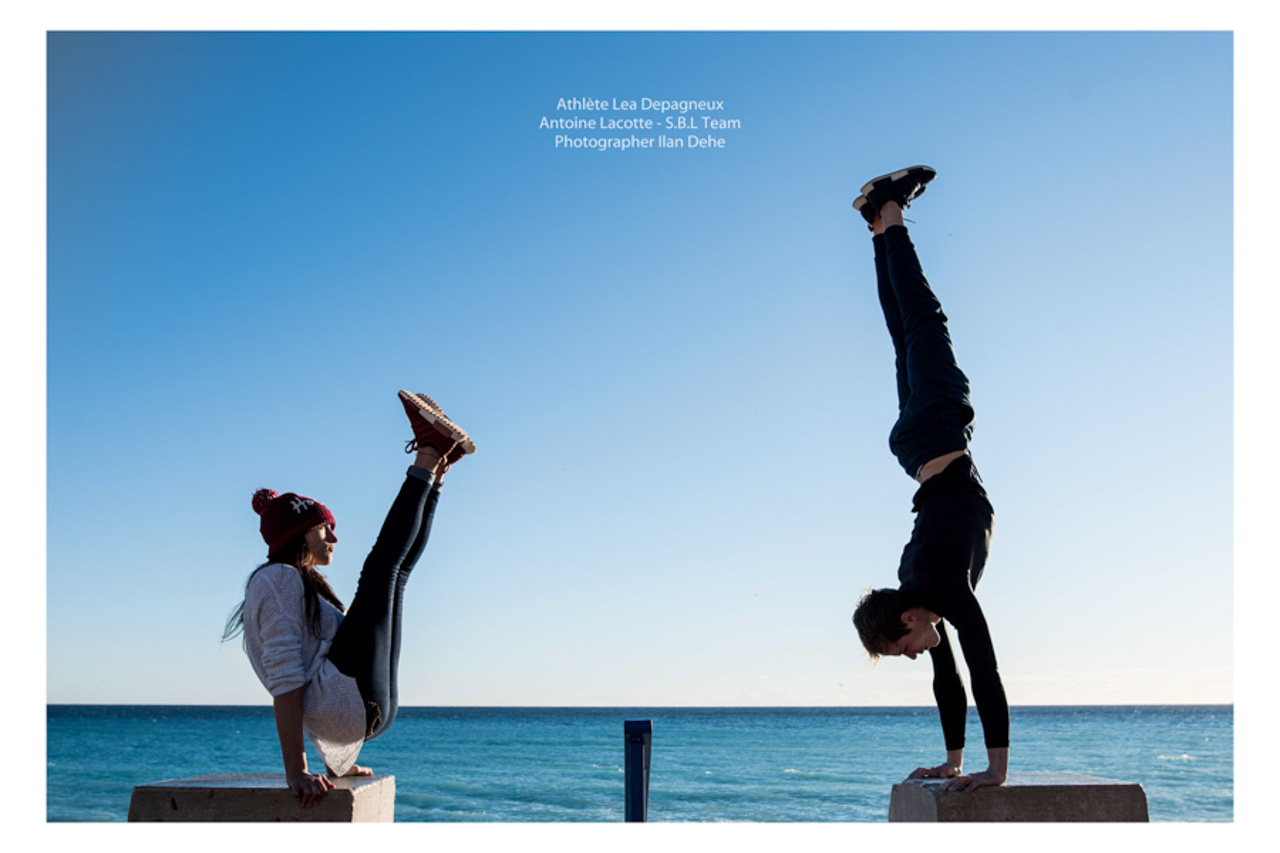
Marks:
<point>817,775</point>
<point>1183,757</point>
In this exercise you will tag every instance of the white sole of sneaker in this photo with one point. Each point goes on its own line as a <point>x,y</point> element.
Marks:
<point>429,410</point>
<point>899,175</point>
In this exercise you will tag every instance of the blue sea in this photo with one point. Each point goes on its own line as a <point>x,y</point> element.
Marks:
<point>708,764</point>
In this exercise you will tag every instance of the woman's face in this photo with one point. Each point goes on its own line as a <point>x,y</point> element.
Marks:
<point>320,542</point>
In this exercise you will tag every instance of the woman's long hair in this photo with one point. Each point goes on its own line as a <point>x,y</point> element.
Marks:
<point>314,586</point>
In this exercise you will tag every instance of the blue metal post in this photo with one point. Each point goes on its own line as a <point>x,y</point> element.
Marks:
<point>637,739</point>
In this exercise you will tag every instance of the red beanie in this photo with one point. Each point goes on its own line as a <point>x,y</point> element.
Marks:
<point>288,515</point>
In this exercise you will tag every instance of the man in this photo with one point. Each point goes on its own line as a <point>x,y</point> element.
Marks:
<point>943,562</point>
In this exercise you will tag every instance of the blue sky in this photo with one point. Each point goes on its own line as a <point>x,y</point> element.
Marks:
<point>679,389</point>
<point>672,362</point>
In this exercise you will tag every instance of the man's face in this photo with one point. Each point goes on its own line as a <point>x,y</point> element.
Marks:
<point>922,635</point>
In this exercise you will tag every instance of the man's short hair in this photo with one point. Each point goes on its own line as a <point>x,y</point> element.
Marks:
<point>878,618</point>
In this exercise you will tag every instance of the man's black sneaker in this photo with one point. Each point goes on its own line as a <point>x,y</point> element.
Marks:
<point>901,186</point>
<point>868,212</point>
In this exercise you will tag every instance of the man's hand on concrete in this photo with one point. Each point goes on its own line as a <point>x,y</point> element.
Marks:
<point>974,781</point>
<point>945,770</point>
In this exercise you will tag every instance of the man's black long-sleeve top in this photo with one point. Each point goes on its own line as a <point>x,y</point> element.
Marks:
<point>940,567</point>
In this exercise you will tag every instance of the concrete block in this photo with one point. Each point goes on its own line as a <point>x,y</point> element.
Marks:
<point>1027,796</point>
<point>261,797</point>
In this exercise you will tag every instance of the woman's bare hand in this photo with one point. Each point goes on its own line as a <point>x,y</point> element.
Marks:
<point>309,788</point>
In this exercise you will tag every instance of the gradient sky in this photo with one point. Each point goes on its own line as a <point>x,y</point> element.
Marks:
<point>673,362</point>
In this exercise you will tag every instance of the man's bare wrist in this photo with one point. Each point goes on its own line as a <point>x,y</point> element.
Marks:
<point>998,761</point>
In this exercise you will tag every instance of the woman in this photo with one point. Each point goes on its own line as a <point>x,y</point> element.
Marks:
<point>332,672</point>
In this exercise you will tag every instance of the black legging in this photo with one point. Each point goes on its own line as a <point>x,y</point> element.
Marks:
<point>367,643</point>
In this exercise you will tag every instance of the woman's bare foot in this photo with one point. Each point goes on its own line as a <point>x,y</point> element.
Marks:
<point>356,770</point>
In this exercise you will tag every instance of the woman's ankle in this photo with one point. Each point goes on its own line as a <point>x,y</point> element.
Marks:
<point>428,458</point>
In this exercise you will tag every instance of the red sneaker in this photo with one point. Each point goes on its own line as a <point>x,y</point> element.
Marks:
<point>432,428</point>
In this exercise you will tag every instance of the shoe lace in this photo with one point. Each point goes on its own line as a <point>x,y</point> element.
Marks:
<point>411,446</point>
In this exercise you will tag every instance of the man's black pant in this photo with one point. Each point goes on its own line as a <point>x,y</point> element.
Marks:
<point>935,416</point>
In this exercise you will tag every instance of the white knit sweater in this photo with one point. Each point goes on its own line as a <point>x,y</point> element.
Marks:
<point>286,655</point>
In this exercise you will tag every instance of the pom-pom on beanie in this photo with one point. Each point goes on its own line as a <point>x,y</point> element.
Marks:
<point>288,515</point>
